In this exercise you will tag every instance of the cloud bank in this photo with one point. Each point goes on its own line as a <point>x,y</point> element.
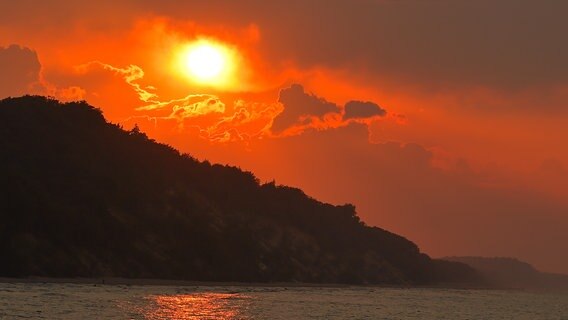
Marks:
<point>362,110</point>
<point>20,71</point>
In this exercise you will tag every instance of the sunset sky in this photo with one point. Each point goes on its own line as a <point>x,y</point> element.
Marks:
<point>445,121</point>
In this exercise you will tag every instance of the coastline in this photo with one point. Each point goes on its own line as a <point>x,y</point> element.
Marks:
<point>191,283</point>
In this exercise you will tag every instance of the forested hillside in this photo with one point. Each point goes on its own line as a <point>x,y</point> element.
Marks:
<point>83,197</point>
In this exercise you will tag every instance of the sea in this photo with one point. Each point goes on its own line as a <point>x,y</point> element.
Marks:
<point>99,301</point>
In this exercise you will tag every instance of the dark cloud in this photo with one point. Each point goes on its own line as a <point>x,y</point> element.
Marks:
<point>19,71</point>
<point>299,108</point>
<point>362,110</point>
<point>499,43</point>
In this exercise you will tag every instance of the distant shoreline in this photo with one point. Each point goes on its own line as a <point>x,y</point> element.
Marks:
<point>164,282</point>
<point>190,283</point>
<point>181,283</point>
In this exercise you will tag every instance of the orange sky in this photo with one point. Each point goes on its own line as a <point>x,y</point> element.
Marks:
<point>444,121</point>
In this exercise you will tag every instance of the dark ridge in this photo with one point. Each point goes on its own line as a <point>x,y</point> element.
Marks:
<point>81,197</point>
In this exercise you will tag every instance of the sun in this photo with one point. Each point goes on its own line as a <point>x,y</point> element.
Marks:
<point>207,62</point>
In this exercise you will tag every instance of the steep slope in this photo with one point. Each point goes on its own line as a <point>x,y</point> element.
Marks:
<point>82,197</point>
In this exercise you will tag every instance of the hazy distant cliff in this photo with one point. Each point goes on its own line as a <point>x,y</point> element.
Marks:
<point>82,197</point>
<point>512,273</point>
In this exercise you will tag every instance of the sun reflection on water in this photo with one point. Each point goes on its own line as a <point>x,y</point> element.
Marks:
<point>225,306</point>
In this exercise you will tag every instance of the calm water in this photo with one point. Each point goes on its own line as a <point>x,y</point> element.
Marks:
<point>79,301</point>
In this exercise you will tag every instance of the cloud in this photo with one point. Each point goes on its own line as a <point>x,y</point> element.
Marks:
<point>249,120</point>
<point>413,46</point>
<point>202,113</point>
<point>300,108</point>
<point>190,106</point>
<point>303,110</point>
<point>72,93</point>
<point>194,106</point>
<point>131,74</point>
<point>362,110</point>
<point>430,43</point>
<point>20,71</point>
<point>295,111</point>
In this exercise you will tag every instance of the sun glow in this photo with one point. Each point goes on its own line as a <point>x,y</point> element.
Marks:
<point>209,63</point>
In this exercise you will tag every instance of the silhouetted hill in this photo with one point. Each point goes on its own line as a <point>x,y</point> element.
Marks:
<point>512,273</point>
<point>83,197</point>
